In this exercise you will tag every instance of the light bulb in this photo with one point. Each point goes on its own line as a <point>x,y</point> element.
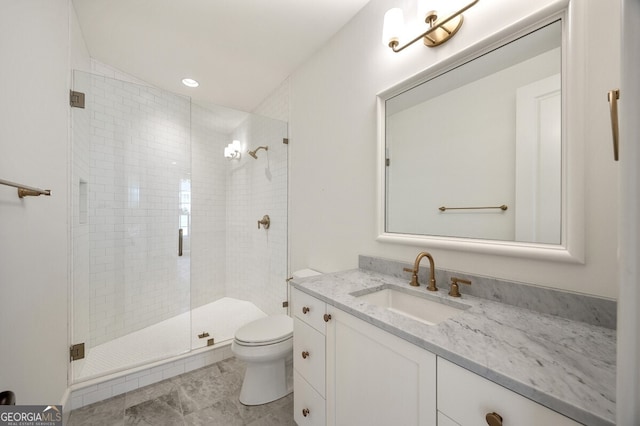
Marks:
<point>392,27</point>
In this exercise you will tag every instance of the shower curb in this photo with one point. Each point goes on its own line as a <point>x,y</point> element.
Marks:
<point>99,389</point>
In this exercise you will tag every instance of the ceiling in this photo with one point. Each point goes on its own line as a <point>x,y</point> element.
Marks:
<point>238,50</point>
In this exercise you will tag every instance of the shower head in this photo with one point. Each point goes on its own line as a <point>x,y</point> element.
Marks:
<point>253,153</point>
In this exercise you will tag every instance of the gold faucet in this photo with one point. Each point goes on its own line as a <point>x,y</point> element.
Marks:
<point>416,266</point>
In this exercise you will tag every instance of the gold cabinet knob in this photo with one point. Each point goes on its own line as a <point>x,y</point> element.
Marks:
<point>305,354</point>
<point>305,309</point>
<point>305,412</point>
<point>327,317</point>
<point>493,419</point>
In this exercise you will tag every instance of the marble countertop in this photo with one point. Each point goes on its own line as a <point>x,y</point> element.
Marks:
<point>565,365</point>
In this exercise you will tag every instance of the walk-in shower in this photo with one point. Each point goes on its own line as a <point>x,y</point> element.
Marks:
<point>149,174</point>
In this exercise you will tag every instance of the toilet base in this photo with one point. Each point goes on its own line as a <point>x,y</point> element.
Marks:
<point>265,382</point>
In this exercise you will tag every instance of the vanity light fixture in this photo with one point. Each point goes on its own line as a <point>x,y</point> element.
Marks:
<point>232,151</point>
<point>189,82</point>
<point>440,29</point>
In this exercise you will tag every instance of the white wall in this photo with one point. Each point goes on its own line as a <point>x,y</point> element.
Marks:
<point>333,147</point>
<point>628,349</point>
<point>34,150</point>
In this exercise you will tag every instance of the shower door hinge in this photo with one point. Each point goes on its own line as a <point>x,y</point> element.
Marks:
<point>76,99</point>
<point>285,304</point>
<point>285,141</point>
<point>387,162</point>
<point>76,351</point>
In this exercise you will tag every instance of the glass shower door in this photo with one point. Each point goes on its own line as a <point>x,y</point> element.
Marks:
<point>239,270</point>
<point>131,196</point>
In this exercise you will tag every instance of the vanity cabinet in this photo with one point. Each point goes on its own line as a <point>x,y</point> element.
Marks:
<point>350,372</point>
<point>465,398</point>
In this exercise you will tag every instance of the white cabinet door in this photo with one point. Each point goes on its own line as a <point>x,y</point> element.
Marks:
<point>467,398</point>
<point>375,378</point>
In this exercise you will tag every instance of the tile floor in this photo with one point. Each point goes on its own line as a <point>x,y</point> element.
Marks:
<point>208,396</point>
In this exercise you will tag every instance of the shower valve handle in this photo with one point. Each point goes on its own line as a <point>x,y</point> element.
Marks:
<point>265,222</point>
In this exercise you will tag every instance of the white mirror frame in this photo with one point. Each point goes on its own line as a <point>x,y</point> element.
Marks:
<point>572,246</point>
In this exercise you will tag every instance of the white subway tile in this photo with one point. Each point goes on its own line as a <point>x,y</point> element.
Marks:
<point>96,396</point>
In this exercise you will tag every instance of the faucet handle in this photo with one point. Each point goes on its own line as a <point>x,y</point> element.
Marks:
<point>455,289</point>
<point>414,278</point>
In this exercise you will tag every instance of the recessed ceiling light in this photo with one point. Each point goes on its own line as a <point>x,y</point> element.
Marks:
<point>189,82</point>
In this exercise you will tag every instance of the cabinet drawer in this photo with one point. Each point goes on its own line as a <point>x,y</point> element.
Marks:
<point>309,309</point>
<point>309,354</point>
<point>467,398</point>
<point>307,401</point>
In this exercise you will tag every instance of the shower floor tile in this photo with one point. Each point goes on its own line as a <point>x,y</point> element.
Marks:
<point>169,337</point>
<point>208,396</point>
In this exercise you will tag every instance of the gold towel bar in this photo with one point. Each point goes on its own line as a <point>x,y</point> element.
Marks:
<point>502,207</point>
<point>24,190</point>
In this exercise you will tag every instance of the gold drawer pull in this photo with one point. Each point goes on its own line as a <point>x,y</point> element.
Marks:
<point>327,317</point>
<point>305,412</point>
<point>493,419</point>
<point>305,309</point>
<point>305,354</point>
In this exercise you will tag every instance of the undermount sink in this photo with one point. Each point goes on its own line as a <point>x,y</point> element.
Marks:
<point>425,310</point>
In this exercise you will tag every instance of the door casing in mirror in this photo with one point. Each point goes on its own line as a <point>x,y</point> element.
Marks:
<point>571,247</point>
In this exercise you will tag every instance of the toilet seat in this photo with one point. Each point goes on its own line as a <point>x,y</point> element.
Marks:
<point>265,331</point>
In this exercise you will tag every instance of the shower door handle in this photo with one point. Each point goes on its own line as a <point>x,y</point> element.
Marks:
<point>613,97</point>
<point>180,242</point>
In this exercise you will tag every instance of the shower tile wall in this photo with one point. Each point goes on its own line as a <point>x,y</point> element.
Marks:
<point>208,189</point>
<point>138,153</point>
<point>256,258</point>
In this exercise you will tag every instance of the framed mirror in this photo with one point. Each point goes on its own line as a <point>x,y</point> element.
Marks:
<point>475,154</point>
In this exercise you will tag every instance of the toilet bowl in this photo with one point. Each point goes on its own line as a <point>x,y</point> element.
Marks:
<point>266,346</point>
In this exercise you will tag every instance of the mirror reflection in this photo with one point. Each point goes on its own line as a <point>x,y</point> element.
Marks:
<point>476,152</point>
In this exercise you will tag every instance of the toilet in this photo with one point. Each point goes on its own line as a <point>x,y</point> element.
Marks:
<point>266,346</point>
